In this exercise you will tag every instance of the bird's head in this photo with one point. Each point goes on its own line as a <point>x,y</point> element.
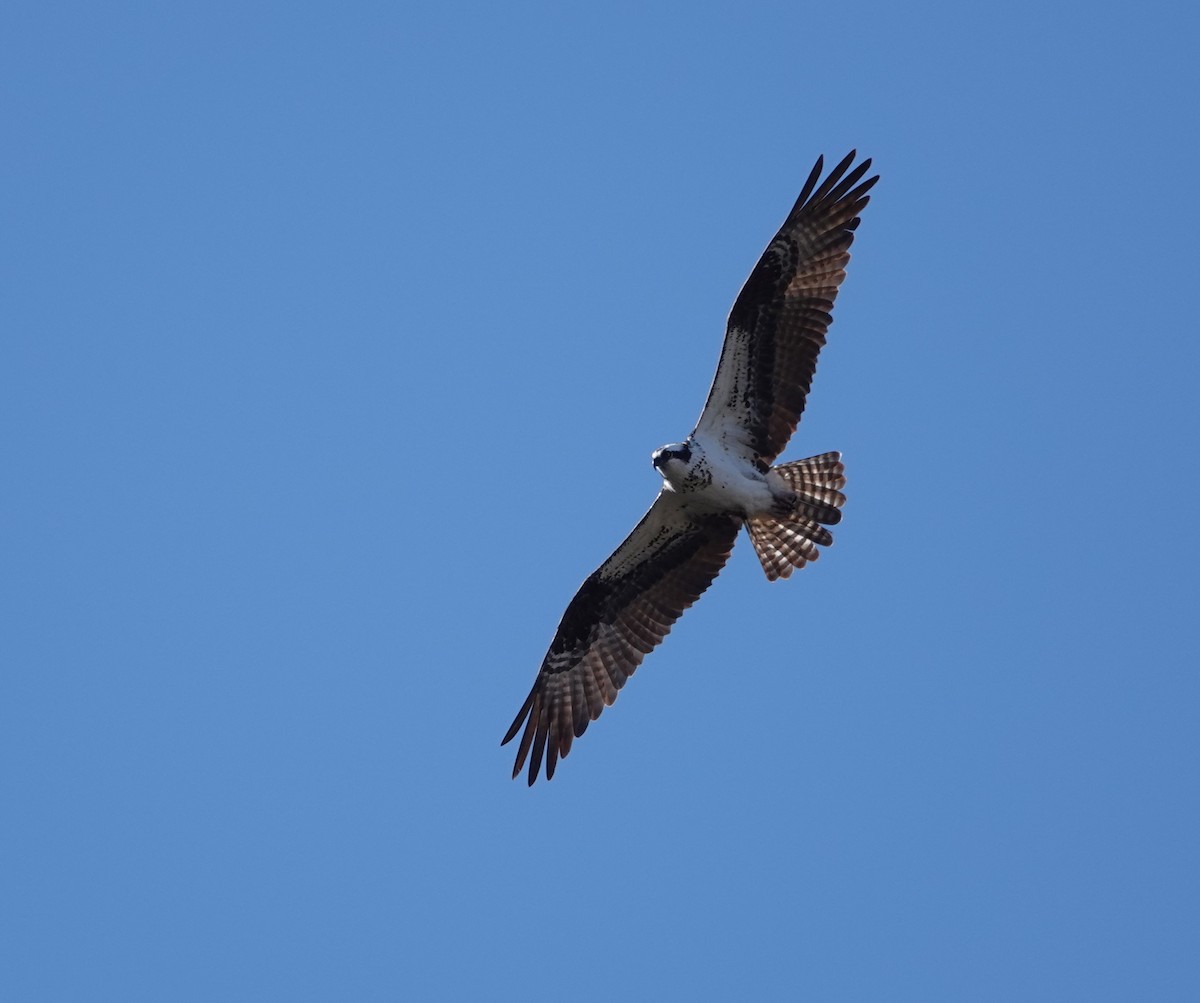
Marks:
<point>673,461</point>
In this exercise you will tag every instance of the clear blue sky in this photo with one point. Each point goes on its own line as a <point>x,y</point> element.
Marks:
<point>336,340</point>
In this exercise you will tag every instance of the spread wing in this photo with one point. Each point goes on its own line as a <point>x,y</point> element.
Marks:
<point>619,614</point>
<point>778,323</point>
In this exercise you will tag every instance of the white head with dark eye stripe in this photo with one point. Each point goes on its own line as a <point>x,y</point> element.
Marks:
<point>673,461</point>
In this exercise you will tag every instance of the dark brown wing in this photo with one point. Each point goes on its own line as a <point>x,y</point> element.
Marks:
<point>778,323</point>
<point>620,614</point>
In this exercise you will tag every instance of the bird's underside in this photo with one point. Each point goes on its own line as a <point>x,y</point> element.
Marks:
<point>722,477</point>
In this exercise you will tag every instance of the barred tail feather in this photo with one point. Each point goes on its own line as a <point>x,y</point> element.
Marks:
<point>789,542</point>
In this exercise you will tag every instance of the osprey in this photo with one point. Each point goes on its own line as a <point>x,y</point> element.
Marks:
<point>717,480</point>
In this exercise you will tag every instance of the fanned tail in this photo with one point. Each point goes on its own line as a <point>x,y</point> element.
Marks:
<point>789,541</point>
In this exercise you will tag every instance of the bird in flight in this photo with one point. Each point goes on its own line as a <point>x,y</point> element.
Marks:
<point>720,478</point>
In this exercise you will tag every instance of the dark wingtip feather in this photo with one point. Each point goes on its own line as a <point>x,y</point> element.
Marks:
<point>836,184</point>
<point>848,182</point>
<point>519,719</point>
<point>539,747</point>
<point>533,711</point>
<point>834,177</point>
<point>810,184</point>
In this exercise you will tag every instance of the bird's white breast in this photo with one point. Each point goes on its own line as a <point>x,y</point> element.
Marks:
<point>718,481</point>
